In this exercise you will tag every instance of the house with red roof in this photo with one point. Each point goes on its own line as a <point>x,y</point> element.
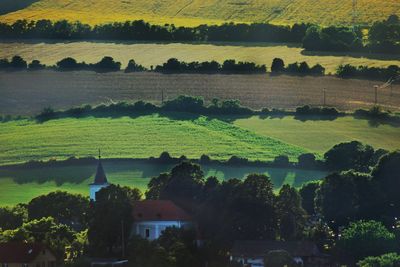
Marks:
<point>152,217</point>
<point>21,254</point>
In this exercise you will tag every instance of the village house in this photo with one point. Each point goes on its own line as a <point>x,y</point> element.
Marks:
<point>252,252</point>
<point>20,254</point>
<point>152,217</point>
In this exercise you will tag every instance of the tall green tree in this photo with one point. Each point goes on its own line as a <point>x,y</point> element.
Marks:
<point>13,217</point>
<point>252,214</point>
<point>64,207</point>
<point>291,215</point>
<point>308,192</point>
<point>387,175</point>
<point>111,213</point>
<point>350,155</point>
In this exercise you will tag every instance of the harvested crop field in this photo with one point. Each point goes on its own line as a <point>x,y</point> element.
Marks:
<point>152,54</point>
<point>195,12</point>
<point>27,93</point>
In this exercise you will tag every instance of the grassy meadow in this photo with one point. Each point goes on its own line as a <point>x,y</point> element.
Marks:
<point>196,12</point>
<point>319,136</point>
<point>139,137</point>
<point>152,54</point>
<point>20,186</point>
<point>179,134</point>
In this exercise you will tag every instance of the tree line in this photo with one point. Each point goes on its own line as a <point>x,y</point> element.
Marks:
<point>142,31</point>
<point>108,64</point>
<point>381,37</point>
<point>197,105</point>
<point>187,104</point>
<point>230,66</point>
<point>352,214</point>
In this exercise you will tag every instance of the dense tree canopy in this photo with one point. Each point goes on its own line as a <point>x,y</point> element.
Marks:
<point>111,213</point>
<point>350,155</point>
<point>366,238</point>
<point>13,217</point>
<point>46,231</point>
<point>385,260</point>
<point>291,215</point>
<point>66,208</point>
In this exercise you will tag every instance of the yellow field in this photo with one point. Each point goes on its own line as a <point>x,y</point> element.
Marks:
<point>195,12</point>
<point>149,54</point>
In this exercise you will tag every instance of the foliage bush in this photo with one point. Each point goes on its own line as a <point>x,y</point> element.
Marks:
<point>350,155</point>
<point>385,260</point>
<point>366,238</point>
<point>134,67</point>
<point>173,65</point>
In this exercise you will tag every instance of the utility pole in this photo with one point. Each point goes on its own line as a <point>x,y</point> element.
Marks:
<point>376,94</point>
<point>123,238</point>
<point>162,96</point>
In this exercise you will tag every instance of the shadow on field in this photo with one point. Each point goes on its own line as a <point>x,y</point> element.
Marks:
<point>387,57</point>
<point>7,6</point>
<point>375,123</point>
<point>59,175</point>
<point>128,171</point>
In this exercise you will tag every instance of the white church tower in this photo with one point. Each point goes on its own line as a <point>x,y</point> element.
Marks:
<point>100,180</point>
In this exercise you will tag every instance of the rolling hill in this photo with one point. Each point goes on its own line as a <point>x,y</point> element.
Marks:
<point>195,12</point>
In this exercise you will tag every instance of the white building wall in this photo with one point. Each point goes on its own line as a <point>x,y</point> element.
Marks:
<point>94,188</point>
<point>155,228</point>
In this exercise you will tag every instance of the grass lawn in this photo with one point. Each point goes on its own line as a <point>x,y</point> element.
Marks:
<point>20,186</point>
<point>139,137</point>
<point>319,136</point>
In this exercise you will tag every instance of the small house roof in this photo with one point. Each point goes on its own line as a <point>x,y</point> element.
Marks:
<point>259,248</point>
<point>158,210</point>
<point>20,252</point>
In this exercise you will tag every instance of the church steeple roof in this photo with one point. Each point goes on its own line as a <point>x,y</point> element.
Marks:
<point>100,177</point>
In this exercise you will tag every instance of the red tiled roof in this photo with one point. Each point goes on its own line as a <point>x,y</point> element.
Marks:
<point>19,252</point>
<point>158,210</point>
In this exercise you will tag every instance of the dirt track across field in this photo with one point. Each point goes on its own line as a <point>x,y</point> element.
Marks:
<point>27,93</point>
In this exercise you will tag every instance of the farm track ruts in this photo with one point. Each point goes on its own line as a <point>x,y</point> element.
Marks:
<point>26,93</point>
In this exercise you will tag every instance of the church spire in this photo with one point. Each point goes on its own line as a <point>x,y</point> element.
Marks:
<point>100,177</point>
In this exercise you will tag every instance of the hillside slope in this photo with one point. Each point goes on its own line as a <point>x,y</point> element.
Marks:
<point>195,12</point>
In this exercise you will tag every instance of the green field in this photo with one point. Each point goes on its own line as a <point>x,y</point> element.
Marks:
<point>152,54</point>
<point>18,186</point>
<point>139,137</point>
<point>179,134</point>
<point>195,12</point>
<point>183,134</point>
<point>319,136</point>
